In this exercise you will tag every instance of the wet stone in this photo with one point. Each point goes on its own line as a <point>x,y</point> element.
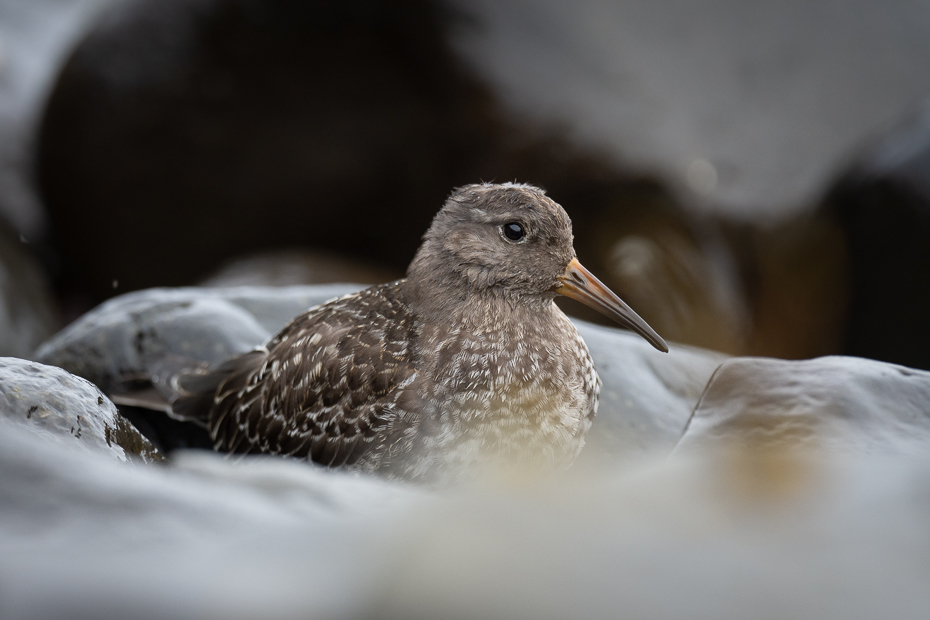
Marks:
<point>646,396</point>
<point>844,405</point>
<point>136,336</point>
<point>53,402</point>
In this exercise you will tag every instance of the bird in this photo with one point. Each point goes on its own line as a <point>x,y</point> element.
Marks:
<point>465,364</point>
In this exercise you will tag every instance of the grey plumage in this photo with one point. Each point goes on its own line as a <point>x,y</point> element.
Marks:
<point>467,362</point>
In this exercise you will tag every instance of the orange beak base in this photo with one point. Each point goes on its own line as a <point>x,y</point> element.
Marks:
<point>581,285</point>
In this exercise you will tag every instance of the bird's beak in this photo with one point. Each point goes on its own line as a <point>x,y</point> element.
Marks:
<point>581,285</point>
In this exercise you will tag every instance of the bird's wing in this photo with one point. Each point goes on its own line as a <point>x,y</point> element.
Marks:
<point>323,388</point>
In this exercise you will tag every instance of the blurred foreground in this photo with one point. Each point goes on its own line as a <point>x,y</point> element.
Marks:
<point>734,534</point>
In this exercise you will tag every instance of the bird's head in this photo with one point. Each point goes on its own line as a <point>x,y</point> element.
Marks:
<point>512,242</point>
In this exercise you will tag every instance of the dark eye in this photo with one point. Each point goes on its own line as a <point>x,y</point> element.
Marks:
<point>513,231</point>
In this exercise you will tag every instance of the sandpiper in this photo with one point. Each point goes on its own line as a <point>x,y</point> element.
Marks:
<point>467,361</point>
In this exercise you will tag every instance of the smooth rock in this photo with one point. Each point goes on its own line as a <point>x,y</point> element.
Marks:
<point>157,331</point>
<point>84,537</point>
<point>828,404</point>
<point>645,402</point>
<point>52,402</point>
<point>646,396</point>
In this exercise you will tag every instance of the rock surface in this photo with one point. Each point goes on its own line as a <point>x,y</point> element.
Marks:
<point>136,335</point>
<point>83,537</point>
<point>54,403</point>
<point>646,398</point>
<point>829,404</point>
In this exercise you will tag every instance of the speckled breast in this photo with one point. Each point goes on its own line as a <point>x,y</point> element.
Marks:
<point>518,393</point>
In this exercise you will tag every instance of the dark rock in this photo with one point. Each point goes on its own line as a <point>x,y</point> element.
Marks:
<point>193,132</point>
<point>883,206</point>
<point>27,311</point>
<point>673,267</point>
<point>829,404</point>
<point>52,402</point>
<point>295,267</point>
<point>794,276</point>
<point>645,401</point>
<point>257,119</point>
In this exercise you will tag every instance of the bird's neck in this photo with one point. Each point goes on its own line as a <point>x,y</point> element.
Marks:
<point>437,299</point>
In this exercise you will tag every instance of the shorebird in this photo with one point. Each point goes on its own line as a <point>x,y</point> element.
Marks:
<point>465,362</point>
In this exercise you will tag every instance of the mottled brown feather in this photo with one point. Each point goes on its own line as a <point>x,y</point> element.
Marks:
<point>466,362</point>
<point>321,389</point>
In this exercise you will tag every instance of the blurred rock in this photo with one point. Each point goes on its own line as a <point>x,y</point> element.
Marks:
<point>745,107</point>
<point>825,405</point>
<point>673,268</point>
<point>83,537</point>
<point>292,267</point>
<point>882,205</point>
<point>794,278</point>
<point>28,314</point>
<point>52,402</point>
<point>35,38</point>
<point>147,336</point>
<point>193,132</point>
<point>221,128</point>
<point>774,288</point>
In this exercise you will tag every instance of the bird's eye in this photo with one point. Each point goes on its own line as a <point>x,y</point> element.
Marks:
<point>513,231</point>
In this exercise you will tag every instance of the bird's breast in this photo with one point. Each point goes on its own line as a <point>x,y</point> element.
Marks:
<point>524,391</point>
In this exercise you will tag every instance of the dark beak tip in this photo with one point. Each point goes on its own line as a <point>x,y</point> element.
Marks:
<point>581,285</point>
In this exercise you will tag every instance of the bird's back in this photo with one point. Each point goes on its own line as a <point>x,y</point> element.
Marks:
<point>324,388</point>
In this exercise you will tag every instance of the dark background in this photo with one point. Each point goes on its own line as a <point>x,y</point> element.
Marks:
<point>316,140</point>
